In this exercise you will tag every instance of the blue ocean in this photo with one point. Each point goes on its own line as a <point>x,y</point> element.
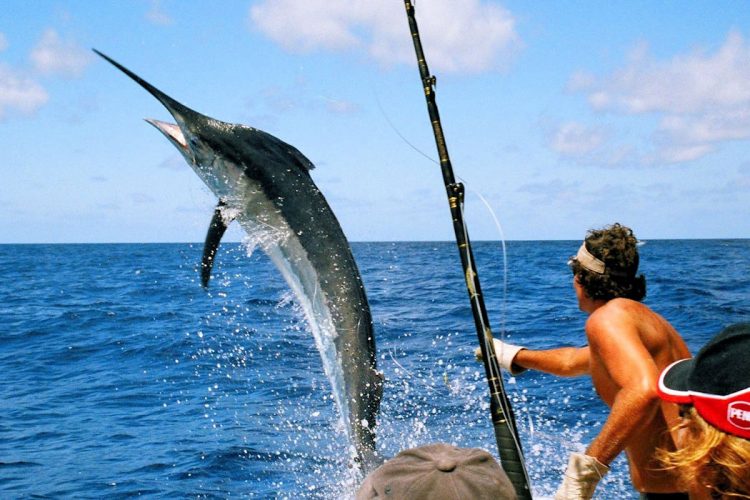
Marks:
<point>122,377</point>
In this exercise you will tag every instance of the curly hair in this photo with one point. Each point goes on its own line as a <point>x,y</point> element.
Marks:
<point>709,457</point>
<point>617,247</point>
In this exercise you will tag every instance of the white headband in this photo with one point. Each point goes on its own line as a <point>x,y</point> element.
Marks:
<point>588,261</point>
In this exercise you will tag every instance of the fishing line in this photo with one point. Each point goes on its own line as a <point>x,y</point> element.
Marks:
<point>398,133</point>
<point>498,226</point>
<point>505,259</point>
<point>409,374</point>
<point>507,410</point>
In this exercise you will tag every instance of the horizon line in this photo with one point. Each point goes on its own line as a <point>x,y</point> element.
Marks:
<point>732,238</point>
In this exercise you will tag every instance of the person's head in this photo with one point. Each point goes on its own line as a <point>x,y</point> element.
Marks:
<point>438,472</point>
<point>713,391</point>
<point>607,263</point>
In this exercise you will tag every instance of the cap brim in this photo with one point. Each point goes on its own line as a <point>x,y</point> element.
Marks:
<point>673,382</point>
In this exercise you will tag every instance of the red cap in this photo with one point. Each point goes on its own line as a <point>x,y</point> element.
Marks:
<point>716,382</point>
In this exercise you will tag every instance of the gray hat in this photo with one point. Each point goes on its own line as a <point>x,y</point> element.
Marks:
<point>438,472</point>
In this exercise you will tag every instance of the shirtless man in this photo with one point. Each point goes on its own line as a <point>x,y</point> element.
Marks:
<point>628,347</point>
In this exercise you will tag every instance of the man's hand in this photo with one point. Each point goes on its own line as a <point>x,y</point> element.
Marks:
<point>505,354</point>
<point>581,477</point>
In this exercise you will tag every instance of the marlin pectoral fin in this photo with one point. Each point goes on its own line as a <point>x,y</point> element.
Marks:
<point>219,224</point>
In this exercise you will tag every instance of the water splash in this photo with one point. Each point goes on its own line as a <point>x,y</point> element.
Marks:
<point>317,418</point>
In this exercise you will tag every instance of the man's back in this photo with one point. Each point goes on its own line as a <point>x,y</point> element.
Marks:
<point>630,345</point>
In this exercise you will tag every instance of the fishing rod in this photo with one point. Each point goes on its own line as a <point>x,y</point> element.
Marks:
<point>503,419</point>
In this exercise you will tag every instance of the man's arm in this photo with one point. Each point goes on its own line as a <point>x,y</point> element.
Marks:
<point>564,361</point>
<point>617,350</point>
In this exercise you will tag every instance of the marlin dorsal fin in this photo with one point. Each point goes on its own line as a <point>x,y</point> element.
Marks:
<point>219,223</point>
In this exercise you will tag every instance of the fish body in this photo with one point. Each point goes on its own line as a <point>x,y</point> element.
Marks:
<point>265,185</point>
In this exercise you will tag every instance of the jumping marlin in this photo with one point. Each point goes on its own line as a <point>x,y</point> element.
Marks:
<point>265,184</point>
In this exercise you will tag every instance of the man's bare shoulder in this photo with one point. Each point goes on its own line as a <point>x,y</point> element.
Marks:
<point>624,318</point>
<point>629,319</point>
<point>623,311</point>
<point>619,311</point>
<point>610,322</point>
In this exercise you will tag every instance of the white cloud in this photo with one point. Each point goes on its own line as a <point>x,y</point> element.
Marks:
<point>308,25</point>
<point>19,92</point>
<point>284,98</point>
<point>574,139</point>
<point>678,153</point>
<point>709,127</point>
<point>685,84</point>
<point>281,99</point>
<point>339,106</point>
<point>591,145</point>
<point>692,136</point>
<point>53,56</point>
<point>702,98</point>
<point>380,29</point>
<point>157,15</point>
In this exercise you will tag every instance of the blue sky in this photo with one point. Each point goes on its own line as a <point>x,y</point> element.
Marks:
<point>563,116</point>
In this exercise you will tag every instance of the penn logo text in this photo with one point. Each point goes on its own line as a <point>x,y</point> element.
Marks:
<point>738,414</point>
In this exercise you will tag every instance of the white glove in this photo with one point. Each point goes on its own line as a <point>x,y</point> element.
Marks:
<point>581,477</point>
<point>505,354</point>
